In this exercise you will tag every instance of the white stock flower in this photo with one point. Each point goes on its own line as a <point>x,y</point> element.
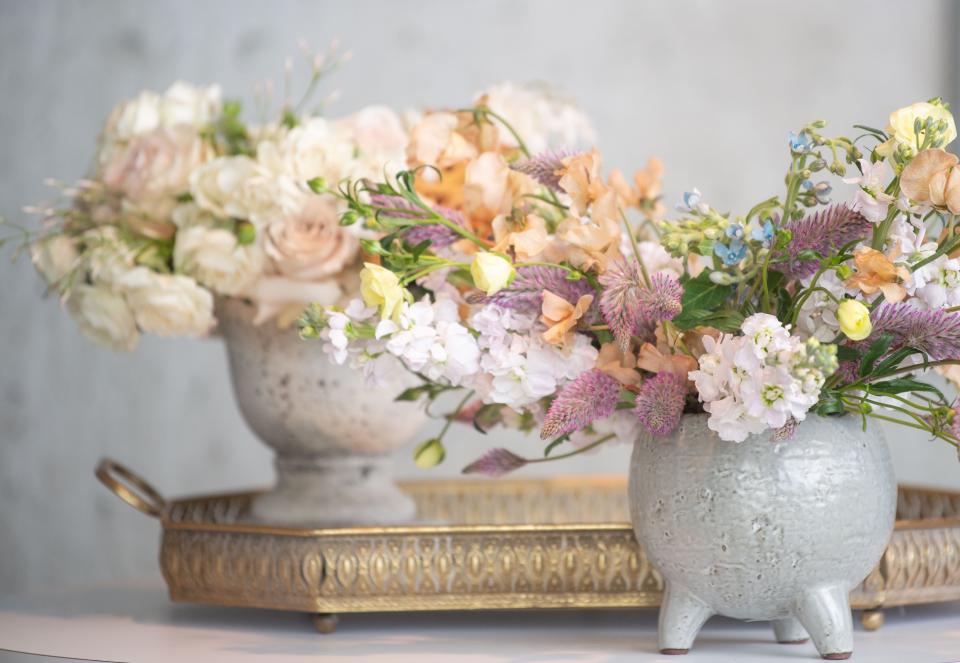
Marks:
<point>519,368</point>
<point>167,304</point>
<point>759,380</point>
<point>103,316</point>
<point>818,315</point>
<point>936,284</point>
<point>429,338</point>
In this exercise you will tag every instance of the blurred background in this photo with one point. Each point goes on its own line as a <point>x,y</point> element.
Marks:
<point>712,88</point>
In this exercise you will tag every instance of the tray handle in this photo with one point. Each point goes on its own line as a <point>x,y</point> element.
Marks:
<point>131,488</point>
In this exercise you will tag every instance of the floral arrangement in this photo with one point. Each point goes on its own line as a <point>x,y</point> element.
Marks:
<point>519,278</point>
<point>187,202</point>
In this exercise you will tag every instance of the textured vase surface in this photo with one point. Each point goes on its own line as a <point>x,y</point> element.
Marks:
<point>764,529</point>
<point>333,436</point>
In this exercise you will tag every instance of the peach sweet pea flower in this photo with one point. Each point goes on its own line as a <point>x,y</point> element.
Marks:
<point>648,188</point>
<point>619,365</point>
<point>933,177</point>
<point>560,316</point>
<point>877,273</point>
<point>490,189</point>
<point>435,141</point>
<point>594,242</point>
<point>580,178</point>
<point>650,358</point>
<point>528,240</point>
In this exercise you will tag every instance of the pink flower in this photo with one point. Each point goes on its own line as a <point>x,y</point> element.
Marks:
<point>310,245</point>
<point>659,405</point>
<point>592,395</point>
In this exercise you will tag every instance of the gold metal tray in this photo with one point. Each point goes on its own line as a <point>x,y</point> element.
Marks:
<point>487,544</point>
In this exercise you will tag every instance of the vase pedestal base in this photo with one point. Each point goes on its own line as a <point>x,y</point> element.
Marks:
<point>334,491</point>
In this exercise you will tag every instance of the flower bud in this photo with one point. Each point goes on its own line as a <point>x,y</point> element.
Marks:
<point>491,273</point>
<point>381,288</point>
<point>429,454</point>
<point>854,319</point>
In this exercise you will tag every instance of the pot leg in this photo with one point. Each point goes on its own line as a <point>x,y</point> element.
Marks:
<point>825,614</point>
<point>789,631</point>
<point>682,614</point>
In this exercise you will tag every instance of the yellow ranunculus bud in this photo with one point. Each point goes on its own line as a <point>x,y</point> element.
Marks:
<point>901,126</point>
<point>429,454</point>
<point>381,288</point>
<point>491,273</point>
<point>854,319</point>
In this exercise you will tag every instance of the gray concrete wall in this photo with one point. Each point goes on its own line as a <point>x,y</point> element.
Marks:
<point>712,87</point>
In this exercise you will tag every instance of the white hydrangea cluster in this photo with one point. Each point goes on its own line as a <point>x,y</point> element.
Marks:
<point>761,379</point>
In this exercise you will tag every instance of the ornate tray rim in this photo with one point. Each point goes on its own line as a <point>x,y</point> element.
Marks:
<point>477,566</point>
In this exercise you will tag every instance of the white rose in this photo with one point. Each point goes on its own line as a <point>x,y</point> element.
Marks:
<point>103,316</point>
<point>151,170</point>
<point>108,257</point>
<point>181,105</point>
<point>242,188</point>
<point>190,105</point>
<point>311,244</point>
<point>131,118</point>
<point>54,257</point>
<point>215,258</point>
<point>168,304</point>
<point>315,148</point>
<point>543,119</point>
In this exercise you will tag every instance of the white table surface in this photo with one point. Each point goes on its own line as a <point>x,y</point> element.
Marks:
<point>137,622</point>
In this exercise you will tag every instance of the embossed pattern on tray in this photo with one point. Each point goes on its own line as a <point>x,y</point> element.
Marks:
<point>493,544</point>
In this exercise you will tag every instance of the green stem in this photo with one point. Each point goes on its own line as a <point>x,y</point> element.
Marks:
<point>570,454</point>
<point>453,415</point>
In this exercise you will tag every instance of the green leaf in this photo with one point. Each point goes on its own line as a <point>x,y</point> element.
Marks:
<point>846,353</point>
<point>415,393</point>
<point>553,445</point>
<point>894,359</point>
<point>876,350</point>
<point>701,299</point>
<point>487,417</point>
<point>901,385</point>
<point>828,404</point>
<point>418,250</point>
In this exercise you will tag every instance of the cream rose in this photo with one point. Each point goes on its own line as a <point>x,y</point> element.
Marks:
<point>315,148</point>
<point>103,316</point>
<point>108,257</point>
<point>216,259</point>
<point>242,188</point>
<point>181,105</point>
<point>310,245</point>
<point>168,304</point>
<point>54,257</point>
<point>154,168</point>
<point>380,141</point>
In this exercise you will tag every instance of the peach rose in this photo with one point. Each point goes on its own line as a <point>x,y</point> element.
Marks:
<point>310,245</point>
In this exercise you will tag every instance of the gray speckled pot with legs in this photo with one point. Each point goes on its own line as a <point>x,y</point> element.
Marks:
<point>333,436</point>
<point>765,529</point>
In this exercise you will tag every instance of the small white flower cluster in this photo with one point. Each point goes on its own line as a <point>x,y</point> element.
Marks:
<point>518,367</point>
<point>761,379</point>
<point>503,359</point>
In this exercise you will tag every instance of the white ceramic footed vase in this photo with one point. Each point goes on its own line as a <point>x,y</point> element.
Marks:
<point>764,529</point>
<point>333,436</point>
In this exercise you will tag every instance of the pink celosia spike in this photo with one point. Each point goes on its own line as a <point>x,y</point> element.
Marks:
<point>591,396</point>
